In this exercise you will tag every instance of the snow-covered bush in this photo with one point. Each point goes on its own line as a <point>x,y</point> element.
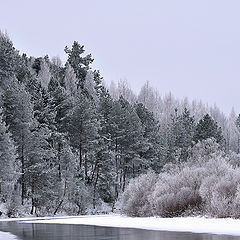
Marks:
<point>135,199</point>
<point>220,190</point>
<point>176,193</point>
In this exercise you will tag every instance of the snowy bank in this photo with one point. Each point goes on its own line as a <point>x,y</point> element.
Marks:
<point>186,224</point>
<point>7,236</point>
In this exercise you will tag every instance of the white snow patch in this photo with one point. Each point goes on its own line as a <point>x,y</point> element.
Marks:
<point>7,236</point>
<point>182,224</point>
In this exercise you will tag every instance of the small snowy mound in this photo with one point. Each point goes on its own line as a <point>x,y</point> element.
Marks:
<point>7,236</point>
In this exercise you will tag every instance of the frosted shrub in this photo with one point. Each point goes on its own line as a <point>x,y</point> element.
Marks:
<point>174,194</point>
<point>170,204</point>
<point>236,203</point>
<point>220,192</point>
<point>135,199</point>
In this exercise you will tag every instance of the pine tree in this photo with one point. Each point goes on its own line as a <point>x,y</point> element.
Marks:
<point>208,128</point>
<point>128,141</point>
<point>44,111</point>
<point>83,131</point>
<point>106,166</point>
<point>79,63</point>
<point>8,174</point>
<point>99,84</point>
<point>152,137</point>
<point>183,129</point>
<point>61,103</point>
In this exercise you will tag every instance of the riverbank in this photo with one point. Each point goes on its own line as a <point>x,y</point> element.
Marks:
<point>182,224</point>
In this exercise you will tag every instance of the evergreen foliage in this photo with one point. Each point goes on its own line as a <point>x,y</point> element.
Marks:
<point>207,128</point>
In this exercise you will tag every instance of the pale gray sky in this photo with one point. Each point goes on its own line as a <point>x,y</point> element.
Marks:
<point>191,48</point>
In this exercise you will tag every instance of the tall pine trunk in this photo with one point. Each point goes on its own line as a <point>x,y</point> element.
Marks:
<point>116,183</point>
<point>33,202</point>
<point>95,188</point>
<point>59,160</point>
<point>61,202</point>
<point>22,168</point>
<point>80,155</point>
<point>86,167</point>
<point>124,178</point>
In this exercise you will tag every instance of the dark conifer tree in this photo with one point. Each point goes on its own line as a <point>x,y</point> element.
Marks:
<point>79,63</point>
<point>208,128</point>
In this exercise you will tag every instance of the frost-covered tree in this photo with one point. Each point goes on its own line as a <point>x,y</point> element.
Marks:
<point>18,115</point>
<point>70,80</point>
<point>183,130</point>
<point>44,74</point>
<point>238,128</point>
<point>8,60</point>
<point>8,170</point>
<point>231,133</point>
<point>89,86</point>
<point>149,97</point>
<point>125,91</point>
<point>113,90</point>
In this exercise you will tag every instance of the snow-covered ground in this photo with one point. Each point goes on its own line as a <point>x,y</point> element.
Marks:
<point>7,236</point>
<point>187,224</point>
<point>184,224</point>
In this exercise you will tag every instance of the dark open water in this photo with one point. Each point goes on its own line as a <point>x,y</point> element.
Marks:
<point>27,231</point>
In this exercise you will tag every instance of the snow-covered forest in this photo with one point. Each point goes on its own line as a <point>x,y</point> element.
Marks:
<point>70,144</point>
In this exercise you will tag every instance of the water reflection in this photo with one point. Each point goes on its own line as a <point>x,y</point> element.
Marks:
<point>29,231</point>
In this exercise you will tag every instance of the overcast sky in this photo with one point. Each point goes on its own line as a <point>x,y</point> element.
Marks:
<point>191,48</point>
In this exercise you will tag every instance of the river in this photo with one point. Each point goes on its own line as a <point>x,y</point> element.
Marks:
<point>40,231</point>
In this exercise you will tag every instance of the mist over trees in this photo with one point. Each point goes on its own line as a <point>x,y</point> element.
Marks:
<point>69,144</point>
